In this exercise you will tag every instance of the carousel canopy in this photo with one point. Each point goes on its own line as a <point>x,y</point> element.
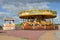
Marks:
<point>8,19</point>
<point>32,14</point>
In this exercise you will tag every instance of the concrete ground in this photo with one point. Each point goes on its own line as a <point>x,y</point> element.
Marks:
<point>30,35</point>
<point>21,34</point>
<point>5,37</point>
<point>49,35</point>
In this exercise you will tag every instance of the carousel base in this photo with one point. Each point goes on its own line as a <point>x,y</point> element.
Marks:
<point>8,28</point>
<point>39,27</point>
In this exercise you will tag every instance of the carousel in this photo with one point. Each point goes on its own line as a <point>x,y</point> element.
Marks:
<point>38,19</point>
<point>9,24</point>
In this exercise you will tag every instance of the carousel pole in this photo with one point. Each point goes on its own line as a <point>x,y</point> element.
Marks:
<point>52,21</point>
<point>34,23</point>
<point>44,24</point>
<point>23,21</point>
<point>27,20</point>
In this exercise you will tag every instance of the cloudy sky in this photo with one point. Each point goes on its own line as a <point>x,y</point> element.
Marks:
<point>10,8</point>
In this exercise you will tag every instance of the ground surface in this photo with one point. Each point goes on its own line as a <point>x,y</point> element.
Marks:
<point>49,35</point>
<point>30,35</point>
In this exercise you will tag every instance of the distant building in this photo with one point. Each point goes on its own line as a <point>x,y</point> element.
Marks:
<point>58,26</point>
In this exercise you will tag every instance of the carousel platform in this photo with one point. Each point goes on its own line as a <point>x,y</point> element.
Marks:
<point>39,27</point>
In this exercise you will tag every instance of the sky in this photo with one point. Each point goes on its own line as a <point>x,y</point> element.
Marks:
<point>10,8</point>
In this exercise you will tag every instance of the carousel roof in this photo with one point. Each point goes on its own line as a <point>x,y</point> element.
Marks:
<point>8,19</point>
<point>31,14</point>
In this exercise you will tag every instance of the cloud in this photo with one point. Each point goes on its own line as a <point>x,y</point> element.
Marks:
<point>57,19</point>
<point>2,14</point>
<point>6,15</point>
<point>19,5</point>
<point>27,1</point>
<point>10,7</point>
<point>16,7</point>
<point>17,19</point>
